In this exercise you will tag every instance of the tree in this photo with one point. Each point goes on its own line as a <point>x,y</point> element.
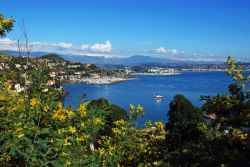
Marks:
<point>6,25</point>
<point>229,120</point>
<point>182,132</point>
<point>183,121</point>
<point>23,44</point>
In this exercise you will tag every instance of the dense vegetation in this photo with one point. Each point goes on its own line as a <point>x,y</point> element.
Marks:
<point>53,57</point>
<point>37,130</point>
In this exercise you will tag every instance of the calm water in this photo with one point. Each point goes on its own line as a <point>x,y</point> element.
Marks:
<point>190,84</point>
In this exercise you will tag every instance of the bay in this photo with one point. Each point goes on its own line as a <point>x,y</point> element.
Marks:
<point>190,84</point>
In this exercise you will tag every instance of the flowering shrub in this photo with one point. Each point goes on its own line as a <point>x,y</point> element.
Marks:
<point>6,25</point>
<point>41,132</point>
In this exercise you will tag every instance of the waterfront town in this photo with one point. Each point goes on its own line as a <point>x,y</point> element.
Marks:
<point>49,71</point>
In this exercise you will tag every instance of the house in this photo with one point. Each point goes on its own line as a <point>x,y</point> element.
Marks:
<point>18,65</point>
<point>43,60</point>
<point>61,77</point>
<point>18,88</point>
<point>52,74</point>
<point>62,72</point>
<point>24,75</point>
<point>25,67</point>
<point>51,82</point>
<point>4,66</point>
<point>78,73</point>
<point>45,90</point>
<point>74,77</point>
<point>51,65</point>
<point>74,66</point>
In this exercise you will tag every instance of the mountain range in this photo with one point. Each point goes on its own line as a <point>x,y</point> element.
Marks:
<point>127,61</point>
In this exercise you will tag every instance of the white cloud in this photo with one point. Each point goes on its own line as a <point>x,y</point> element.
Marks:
<point>85,47</point>
<point>7,41</point>
<point>162,50</point>
<point>98,47</point>
<point>63,45</point>
<point>97,55</point>
<point>8,44</point>
<point>180,55</point>
<point>106,47</point>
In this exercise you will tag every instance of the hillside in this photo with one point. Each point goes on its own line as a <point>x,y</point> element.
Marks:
<point>53,57</point>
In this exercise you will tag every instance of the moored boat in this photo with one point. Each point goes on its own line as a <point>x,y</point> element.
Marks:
<point>157,97</point>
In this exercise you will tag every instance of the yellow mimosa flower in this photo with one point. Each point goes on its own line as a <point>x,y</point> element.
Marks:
<point>20,135</point>
<point>72,129</point>
<point>61,131</point>
<point>101,151</point>
<point>83,125</point>
<point>46,108</point>
<point>159,125</point>
<point>67,143</point>
<point>68,163</point>
<point>97,121</point>
<point>79,139</point>
<point>82,109</point>
<point>70,113</point>
<point>33,102</point>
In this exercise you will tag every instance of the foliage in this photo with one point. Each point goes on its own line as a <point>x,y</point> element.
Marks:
<point>113,113</point>
<point>6,25</point>
<point>183,121</point>
<point>229,120</point>
<point>53,57</point>
<point>183,132</point>
<point>41,132</point>
<point>217,134</point>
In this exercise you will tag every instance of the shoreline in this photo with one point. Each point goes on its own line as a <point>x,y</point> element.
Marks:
<point>157,74</point>
<point>102,81</point>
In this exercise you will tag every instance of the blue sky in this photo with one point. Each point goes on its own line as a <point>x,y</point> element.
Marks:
<point>177,29</point>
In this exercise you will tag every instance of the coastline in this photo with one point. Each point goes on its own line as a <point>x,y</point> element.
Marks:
<point>158,74</point>
<point>102,80</point>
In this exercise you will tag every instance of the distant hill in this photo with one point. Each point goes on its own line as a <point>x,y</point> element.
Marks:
<point>15,53</point>
<point>127,61</point>
<point>52,56</point>
<point>131,61</point>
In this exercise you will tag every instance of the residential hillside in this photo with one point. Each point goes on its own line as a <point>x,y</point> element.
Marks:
<point>34,74</point>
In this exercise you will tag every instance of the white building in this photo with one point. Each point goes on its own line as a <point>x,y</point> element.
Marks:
<point>74,66</point>
<point>51,82</point>
<point>18,65</point>
<point>18,88</point>
<point>52,74</point>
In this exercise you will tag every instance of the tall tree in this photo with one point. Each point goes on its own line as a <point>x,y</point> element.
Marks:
<point>183,121</point>
<point>182,132</point>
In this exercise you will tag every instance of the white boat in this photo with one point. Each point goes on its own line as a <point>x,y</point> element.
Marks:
<point>157,97</point>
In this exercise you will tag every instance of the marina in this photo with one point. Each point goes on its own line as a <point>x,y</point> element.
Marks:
<point>102,80</point>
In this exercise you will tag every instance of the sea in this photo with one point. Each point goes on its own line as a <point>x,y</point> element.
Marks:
<point>192,85</point>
